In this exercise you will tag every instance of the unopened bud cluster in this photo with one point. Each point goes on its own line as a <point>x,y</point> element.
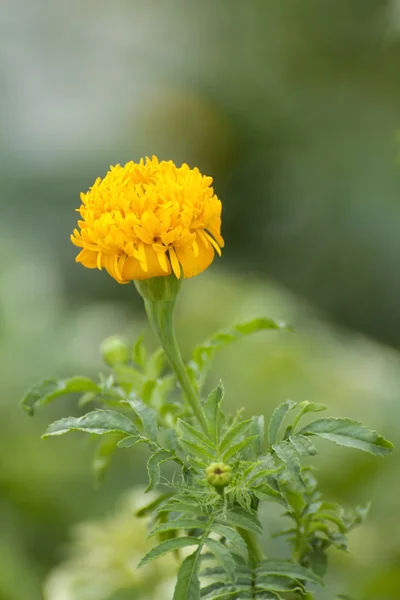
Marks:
<point>219,474</point>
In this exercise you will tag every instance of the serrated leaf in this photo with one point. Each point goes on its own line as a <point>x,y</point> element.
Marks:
<point>287,569</point>
<point>147,390</point>
<point>146,415</point>
<point>49,389</point>
<point>262,474</point>
<point>104,454</point>
<point>178,524</point>
<point>150,507</point>
<point>244,520</point>
<point>318,561</point>
<point>210,592</point>
<point>258,428</point>
<point>325,516</point>
<point>153,467</point>
<point>223,556</point>
<point>170,440</point>
<point>237,332</point>
<point>231,452</point>
<point>139,354</point>
<point>131,440</point>
<point>352,434</point>
<point>128,377</point>
<point>303,445</point>
<point>264,491</point>
<point>168,546</point>
<point>212,411</point>
<point>307,407</point>
<point>277,583</point>
<point>289,456</point>
<point>155,364</point>
<point>189,433</point>
<point>188,585</point>
<point>276,421</point>
<point>234,433</point>
<point>198,451</point>
<point>183,507</point>
<point>99,422</point>
<point>232,536</point>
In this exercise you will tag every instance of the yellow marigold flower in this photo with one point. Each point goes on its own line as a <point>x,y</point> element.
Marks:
<point>149,219</point>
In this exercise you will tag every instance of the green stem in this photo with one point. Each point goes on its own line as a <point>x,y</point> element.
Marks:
<point>161,318</point>
<point>253,545</point>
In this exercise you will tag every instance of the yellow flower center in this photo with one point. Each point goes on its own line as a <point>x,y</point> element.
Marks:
<point>147,219</point>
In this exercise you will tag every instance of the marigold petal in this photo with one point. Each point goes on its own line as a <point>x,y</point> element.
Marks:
<point>212,242</point>
<point>174,263</point>
<point>191,263</point>
<point>87,258</point>
<point>132,268</point>
<point>164,262</point>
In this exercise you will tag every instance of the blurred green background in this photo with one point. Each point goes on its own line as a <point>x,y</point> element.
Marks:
<point>293,106</point>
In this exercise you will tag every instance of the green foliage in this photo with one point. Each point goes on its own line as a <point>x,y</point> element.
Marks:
<point>141,405</point>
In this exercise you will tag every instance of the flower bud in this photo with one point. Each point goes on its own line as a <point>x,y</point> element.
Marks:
<point>219,474</point>
<point>114,351</point>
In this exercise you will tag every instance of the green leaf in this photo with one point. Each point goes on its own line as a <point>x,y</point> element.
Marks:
<point>147,389</point>
<point>223,556</point>
<point>203,353</point>
<point>248,521</point>
<point>234,433</point>
<point>168,546</point>
<point>132,440</point>
<point>150,507</point>
<point>326,516</point>
<point>277,583</point>
<point>189,433</point>
<point>258,428</point>
<point>146,415</point>
<point>212,411</point>
<point>129,378</point>
<point>352,434</point>
<point>289,456</point>
<point>277,419</point>
<point>99,422</point>
<point>188,584</point>
<point>155,364</point>
<point>231,452</point>
<point>45,391</point>
<point>139,354</point>
<point>104,454</point>
<point>196,450</point>
<point>178,524</point>
<point>264,491</point>
<point>183,507</point>
<point>262,473</point>
<point>287,569</point>
<point>153,467</point>
<point>303,445</point>
<point>210,592</point>
<point>307,407</point>
<point>232,536</point>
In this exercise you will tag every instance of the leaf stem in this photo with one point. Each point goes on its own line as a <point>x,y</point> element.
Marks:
<point>161,318</point>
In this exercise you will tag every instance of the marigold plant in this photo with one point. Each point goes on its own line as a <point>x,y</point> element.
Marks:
<point>155,224</point>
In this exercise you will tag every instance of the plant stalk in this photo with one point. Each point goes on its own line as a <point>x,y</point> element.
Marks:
<point>161,318</point>
<point>256,553</point>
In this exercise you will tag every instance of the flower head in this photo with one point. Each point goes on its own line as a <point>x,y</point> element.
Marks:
<point>219,474</point>
<point>149,219</point>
